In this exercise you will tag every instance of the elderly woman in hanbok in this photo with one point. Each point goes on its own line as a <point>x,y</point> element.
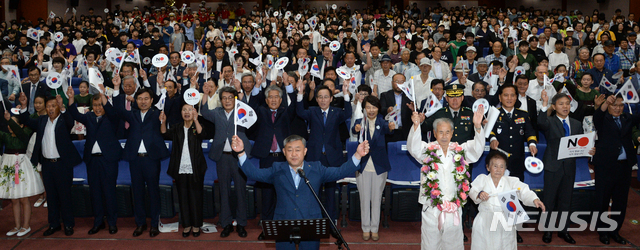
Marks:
<point>484,190</point>
<point>443,192</point>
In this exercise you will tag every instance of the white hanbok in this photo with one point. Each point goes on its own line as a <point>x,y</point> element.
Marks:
<point>481,237</point>
<point>451,236</point>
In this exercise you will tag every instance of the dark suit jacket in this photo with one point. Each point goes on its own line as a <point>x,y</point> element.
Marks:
<point>69,156</point>
<point>139,130</point>
<point>198,162</point>
<point>297,203</point>
<point>324,134</point>
<point>41,90</point>
<point>532,110</point>
<point>224,129</point>
<point>121,132</point>
<point>387,99</point>
<point>102,131</point>
<point>553,131</point>
<point>173,109</point>
<point>612,138</point>
<point>266,128</point>
<point>377,146</point>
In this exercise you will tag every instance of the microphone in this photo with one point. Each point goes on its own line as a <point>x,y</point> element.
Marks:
<point>301,173</point>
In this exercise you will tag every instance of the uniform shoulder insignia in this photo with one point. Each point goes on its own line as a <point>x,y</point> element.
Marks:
<point>523,110</point>
<point>467,108</point>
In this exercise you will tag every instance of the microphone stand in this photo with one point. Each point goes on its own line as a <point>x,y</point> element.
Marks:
<point>341,240</point>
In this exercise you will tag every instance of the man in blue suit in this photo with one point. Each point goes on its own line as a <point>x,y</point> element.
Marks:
<point>273,126</point>
<point>324,137</point>
<point>102,152</point>
<point>34,87</point>
<point>144,150</point>
<point>55,151</point>
<point>295,201</point>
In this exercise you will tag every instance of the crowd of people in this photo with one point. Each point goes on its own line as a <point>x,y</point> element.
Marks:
<point>343,79</point>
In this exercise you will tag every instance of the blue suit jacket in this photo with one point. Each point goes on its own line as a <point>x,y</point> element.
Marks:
<point>297,203</point>
<point>69,156</point>
<point>224,129</point>
<point>147,131</point>
<point>378,146</point>
<point>103,131</point>
<point>321,134</point>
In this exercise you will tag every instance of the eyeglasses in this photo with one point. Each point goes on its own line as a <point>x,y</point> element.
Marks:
<point>227,98</point>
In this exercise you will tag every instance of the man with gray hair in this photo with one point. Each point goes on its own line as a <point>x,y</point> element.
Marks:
<point>273,127</point>
<point>191,77</point>
<point>295,200</point>
<point>405,64</point>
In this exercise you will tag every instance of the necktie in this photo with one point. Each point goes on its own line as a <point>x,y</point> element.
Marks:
<point>127,106</point>
<point>32,96</point>
<point>622,155</point>
<point>567,131</point>
<point>455,114</point>
<point>617,119</point>
<point>324,117</point>
<point>510,115</point>
<point>274,142</point>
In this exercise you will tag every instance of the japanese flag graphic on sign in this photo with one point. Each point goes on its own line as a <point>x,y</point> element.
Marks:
<point>576,146</point>
<point>245,116</point>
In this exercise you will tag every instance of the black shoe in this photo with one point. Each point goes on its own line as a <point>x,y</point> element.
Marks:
<point>566,237</point>
<point>50,231</point>
<point>261,236</point>
<point>113,229</point>
<point>617,238</point>
<point>519,238</point>
<point>186,234</point>
<point>139,230</point>
<point>154,231</point>
<point>196,234</point>
<point>95,230</point>
<point>68,231</point>
<point>604,238</point>
<point>546,237</point>
<point>226,231</point>
<point>466,239</point>
<point>241,232</point>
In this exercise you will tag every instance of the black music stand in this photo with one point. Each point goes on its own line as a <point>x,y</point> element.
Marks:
<point>296,230</point>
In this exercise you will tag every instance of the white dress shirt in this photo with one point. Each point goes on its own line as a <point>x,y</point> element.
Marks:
<point>49,148</point>
<point>185,159</point>
<point>96,148</point>
<point>383,81</point>
<point>227,145</point>
<point>142,149</point>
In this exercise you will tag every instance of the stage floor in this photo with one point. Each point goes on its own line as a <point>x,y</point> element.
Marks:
<point>400,235</point>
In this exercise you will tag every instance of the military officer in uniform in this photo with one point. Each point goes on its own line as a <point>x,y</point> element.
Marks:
<point>511,131</point>
<point>462,117</point>
<point>463,128</point>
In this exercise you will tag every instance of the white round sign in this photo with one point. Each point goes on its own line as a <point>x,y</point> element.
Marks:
<point>106,10</point>
<point>334,6</point>
<point>160,60</point>
<point>275,14</point>
<point>191,96</point>
<point>298,16</point>
<point>255,25</point>
<point>343,74</point>
<point>282,62</point>
<point>334,46</point>
<point>58,36</point>
<point>481,102</point>
<point>533,165</point>
<point>54,80</point>
<point>188,57</point>
<point>15,111</point>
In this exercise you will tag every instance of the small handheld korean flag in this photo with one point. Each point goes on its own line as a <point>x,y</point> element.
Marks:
<point>13,72</point>
<point>202,63</point>
<point>548,81</point>
<point>95,78</point>
<point>574,103</point>
<point>245,116</point>
<point>432,105</point>
<point>313,21</point>
<point>52,15</point>
<point>161,100</point>
<point>303,66</point>
<point>407,88</point>
<point>363,128</point>
<point>628,92</point>
<point>315,69</point>
<point>605,83</point>
<point>511,208</point>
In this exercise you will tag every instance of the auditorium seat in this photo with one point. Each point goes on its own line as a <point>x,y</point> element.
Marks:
<point>403,196</point>
<point>349,198</point>
<point>485,52</point>
<point>208,210</point>
<point>75,82</point>
<point>80,193</point>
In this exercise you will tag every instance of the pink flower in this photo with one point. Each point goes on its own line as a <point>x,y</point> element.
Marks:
<point>431,147</point>
<point>435,192</point>
<point>465,187</point>
<point>427,160</point>
<point>458,202</point>
<point>463,195</point>
<point>425,169</point>
<point>460,169</point>
<point>435,186</point>
<point>435,166</point>
<point>458,148</point>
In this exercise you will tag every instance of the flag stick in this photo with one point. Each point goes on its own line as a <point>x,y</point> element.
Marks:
<point>235,113</point>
